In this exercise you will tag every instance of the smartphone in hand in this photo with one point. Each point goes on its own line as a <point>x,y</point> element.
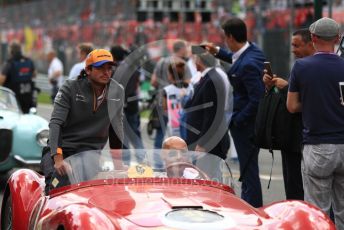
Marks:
<point>267,66</point>
<point>198,49</point>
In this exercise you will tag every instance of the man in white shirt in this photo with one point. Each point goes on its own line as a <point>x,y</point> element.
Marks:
<point>83,50</point>
<point>55,73</point>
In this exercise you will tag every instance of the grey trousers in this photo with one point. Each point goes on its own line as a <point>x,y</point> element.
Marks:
<point>323,178</point>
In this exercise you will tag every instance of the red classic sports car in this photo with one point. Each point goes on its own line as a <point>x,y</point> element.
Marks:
<point>156,189</point>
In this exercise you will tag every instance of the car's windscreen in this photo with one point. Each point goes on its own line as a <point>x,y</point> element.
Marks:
<point>8,100</point>
<point>146,163</point>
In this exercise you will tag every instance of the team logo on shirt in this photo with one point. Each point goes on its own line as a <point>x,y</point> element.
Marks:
<point>58,96</point>
<point>80,97</point>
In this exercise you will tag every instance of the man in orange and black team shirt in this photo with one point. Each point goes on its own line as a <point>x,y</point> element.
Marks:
<point>17,75</point>
<point>73,128</point>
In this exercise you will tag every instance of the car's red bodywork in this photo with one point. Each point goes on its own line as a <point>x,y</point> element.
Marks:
<point>140,203</point>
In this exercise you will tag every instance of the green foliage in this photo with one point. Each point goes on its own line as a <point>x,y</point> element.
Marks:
<point>44,98</point>
<point>145,113</point>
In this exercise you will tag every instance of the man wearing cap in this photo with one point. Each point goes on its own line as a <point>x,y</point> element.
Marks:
<point>83,111</point>
<point>314,90</point>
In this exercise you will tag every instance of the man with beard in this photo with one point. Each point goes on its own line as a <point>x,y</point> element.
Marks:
<point>83,111</point>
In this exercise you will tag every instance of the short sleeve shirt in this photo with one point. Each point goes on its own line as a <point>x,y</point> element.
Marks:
<point>56,65</point>
<point>316,79</point>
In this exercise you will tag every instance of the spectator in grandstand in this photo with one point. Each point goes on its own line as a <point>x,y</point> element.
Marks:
<point>83,50</point>
<point>18,74</point>
<point>55,73</point>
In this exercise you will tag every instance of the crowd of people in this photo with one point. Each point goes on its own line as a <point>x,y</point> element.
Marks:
<point>39,25</point>
<point>202,103</point>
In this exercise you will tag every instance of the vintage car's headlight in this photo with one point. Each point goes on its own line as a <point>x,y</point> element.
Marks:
<point>42,137</point>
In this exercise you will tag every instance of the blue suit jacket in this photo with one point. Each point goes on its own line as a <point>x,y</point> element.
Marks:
<point>245,75</point>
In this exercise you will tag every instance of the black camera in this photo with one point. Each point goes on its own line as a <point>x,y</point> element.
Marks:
<point>199,49</point>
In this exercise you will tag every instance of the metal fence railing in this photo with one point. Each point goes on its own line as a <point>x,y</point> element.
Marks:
<point>42,83</point>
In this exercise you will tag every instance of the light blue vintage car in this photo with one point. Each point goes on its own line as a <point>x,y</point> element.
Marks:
<point>22,136</point>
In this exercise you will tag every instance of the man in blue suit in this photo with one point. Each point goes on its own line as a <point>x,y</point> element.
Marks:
<point>245,75</point>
